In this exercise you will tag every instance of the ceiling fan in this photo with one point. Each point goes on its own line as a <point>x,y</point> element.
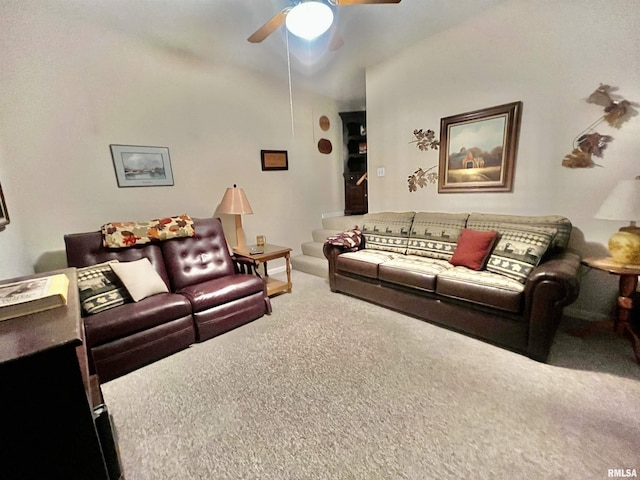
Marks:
<point>307,18</point>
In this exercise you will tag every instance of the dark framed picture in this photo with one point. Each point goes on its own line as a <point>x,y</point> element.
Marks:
<point>478,150</point>
<point>274,160</point>
<point>141,166</point>
<point>4,214</point>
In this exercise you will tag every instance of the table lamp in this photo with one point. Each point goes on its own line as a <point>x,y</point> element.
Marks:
<point>235,202</point>
<point>623,203</point>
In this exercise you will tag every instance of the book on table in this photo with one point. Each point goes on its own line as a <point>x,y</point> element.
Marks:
<point>33,295</point>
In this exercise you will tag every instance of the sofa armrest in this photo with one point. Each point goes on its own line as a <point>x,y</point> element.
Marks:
<point>331,253</point>
<point>562,270</point>
<point>551,286</point>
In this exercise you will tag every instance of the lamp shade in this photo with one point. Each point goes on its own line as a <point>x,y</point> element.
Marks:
<point>235,202</point>
<point>309,20</point>
<point>623,203</point>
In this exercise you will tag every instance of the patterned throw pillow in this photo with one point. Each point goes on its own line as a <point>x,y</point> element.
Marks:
<point>100,289</point>
<point>349,239</point>
<point>519,249</point>
<point>127,234</point>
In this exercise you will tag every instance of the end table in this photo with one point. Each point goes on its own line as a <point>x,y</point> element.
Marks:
<point>623,323</point>
<point>270,252</point>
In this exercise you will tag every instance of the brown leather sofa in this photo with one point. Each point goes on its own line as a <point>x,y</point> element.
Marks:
<point>210,292</point>
<point>401,264</point>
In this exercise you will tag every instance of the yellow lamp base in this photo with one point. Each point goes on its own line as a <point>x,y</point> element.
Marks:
<point>624,247</point>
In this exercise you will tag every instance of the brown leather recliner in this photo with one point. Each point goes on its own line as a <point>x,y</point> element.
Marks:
<point>210,292</point>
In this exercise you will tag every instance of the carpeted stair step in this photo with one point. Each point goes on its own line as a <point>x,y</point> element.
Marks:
<point>321,235</point>
<point>312,265</point>
<point>313,249</point>
<point>312,260</point>
<point>342,223</point>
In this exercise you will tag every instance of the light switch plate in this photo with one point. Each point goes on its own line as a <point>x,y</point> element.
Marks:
<point>380,171</point>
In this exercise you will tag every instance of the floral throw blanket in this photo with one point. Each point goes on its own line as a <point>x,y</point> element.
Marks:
<point>127,234</point>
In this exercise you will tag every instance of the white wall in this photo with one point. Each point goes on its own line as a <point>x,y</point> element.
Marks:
<point>13,260</point>
<point>550,55</point>
<point>71,87</point>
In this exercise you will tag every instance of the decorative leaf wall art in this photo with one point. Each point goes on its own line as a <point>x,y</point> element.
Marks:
<point>590,143</point>
<point>424,140</point>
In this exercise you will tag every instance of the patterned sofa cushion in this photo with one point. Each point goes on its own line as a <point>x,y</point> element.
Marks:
<point>519,249</point>
<point>481,287</point>
<point>387,231</point>
<point>435,235</point>
<point>362,262</point>
<point>484,221</point>
<point>100,288</point>
<point>413,271</point>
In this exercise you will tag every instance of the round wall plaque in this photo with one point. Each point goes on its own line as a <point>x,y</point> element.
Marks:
<point>324,123</point>
<point>324,146</point>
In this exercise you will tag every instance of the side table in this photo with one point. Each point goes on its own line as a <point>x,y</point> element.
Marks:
<point>270,252</point>
<point>623,323</point>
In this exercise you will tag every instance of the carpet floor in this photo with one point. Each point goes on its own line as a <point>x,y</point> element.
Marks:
<point>331,387</point>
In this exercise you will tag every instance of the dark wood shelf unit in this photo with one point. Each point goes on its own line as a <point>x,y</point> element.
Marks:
<point>354,131</point>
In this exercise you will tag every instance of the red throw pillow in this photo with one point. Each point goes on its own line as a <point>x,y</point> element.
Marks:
<point>474,248</point>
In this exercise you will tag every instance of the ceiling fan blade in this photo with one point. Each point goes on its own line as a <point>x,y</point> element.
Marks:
<point>268,28</point>
<point>364,2</point>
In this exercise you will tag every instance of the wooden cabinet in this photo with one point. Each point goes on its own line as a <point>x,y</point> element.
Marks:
<point>355,194</point>
<point>46,404</point>
<point>354,133</point>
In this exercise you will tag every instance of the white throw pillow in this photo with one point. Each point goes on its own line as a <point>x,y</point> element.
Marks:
<point>140,278</point>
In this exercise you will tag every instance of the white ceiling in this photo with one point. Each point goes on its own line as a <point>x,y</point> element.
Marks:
<point>215,31</point>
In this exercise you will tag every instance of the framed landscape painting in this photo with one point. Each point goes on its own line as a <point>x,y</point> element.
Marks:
<point>142,166</point>
<point>478,150</point>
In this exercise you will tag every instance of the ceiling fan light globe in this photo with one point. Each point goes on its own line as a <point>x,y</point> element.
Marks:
<point>309,20</point>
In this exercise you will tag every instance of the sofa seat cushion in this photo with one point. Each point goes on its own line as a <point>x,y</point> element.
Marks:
<point>135,317</point>
<point>435,235</point>
<point>363,262</point>
<point>481,287</point>
<point>413,271</point>
<point>387,231</point>
<point>221,290</point>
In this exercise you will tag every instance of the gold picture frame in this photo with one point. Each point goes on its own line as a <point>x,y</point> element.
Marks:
<point>478,150</point>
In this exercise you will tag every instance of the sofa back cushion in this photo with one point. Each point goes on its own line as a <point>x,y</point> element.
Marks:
<point>196,259</point>
<point>388,231</point>
<point>435,235</point>
<point>85,249</point>
<point>519,249</point>
<point>562,225</point>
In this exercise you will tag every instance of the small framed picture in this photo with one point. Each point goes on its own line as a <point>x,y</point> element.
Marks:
<point>138,166</point>
<point>274,160</point>
<point>4,214</point>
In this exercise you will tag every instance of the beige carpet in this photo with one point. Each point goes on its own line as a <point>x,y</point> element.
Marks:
<point>330,387</point>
